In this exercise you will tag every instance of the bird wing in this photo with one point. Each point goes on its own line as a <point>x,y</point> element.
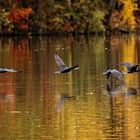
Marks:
<point>117,74</point>
<point>10,70</point>
<point>60,63</point>
<point>2,70</point>
<point>106,71</point>
<point>128,65</point>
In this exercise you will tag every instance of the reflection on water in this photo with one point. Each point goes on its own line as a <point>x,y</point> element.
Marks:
<point>62,100</point>
<point>41,105</point>
<point>115,89</point>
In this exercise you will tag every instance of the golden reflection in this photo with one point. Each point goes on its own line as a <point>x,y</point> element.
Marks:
<point>123,113</point>
<point>129,55</point>
<point>124,100</point>
<point>7,88</point>
<point>76,105</point>
<point>65,108</point>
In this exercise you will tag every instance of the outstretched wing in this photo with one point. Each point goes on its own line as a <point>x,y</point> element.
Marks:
<point>117,74</point>
<point>60,63</point>
<point>107,72</point>
<point>2,70</point>
<point>128,65</point>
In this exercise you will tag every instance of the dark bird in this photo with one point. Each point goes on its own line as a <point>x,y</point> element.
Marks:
<point>114,72</point>
<point>131,68</point>
<point>3,70</point>
<point>62,66</point>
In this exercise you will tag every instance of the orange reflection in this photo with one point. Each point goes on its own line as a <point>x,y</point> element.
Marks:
<point>72,105</point>
<point>22,54</point>
<point>7,84</point>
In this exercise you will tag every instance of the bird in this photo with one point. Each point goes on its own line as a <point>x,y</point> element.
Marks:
<point>114,72</point>
<point>4,70</point>
<point>62,66</point>
<point>130,67</point>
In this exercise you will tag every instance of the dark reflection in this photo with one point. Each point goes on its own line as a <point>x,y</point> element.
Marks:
<point>115,89</point>
<point>118,113</point>
<point>62,100</point>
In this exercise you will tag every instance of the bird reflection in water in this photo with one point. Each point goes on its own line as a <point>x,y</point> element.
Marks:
<point>117,89</point>
<point>113,89</point>
<point>62,100</point>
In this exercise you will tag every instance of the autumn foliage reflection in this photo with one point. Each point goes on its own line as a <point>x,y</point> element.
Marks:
<point>75,105</point>
<point>16,55</point>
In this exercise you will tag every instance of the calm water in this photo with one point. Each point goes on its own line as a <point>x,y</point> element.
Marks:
<point>38,104</point>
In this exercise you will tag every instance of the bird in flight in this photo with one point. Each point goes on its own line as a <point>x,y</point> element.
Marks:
<point>114,72</point>
<point>62,66</point>
<point>3,70</point>
<point>131,68</point>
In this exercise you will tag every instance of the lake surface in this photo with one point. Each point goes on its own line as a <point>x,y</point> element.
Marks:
<point>38,104</point>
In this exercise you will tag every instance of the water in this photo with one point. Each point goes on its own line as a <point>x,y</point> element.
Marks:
<point>38,104</point>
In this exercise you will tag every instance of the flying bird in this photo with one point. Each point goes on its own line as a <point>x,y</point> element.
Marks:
<point>3,70</point>
<point>131,68</point>
<point>62,66</point>
<point>114,72</point>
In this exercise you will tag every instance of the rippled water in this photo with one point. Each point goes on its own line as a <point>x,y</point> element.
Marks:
<point>38,104</point>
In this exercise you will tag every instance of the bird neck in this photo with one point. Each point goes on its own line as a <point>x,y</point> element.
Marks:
<point>108,75</point>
